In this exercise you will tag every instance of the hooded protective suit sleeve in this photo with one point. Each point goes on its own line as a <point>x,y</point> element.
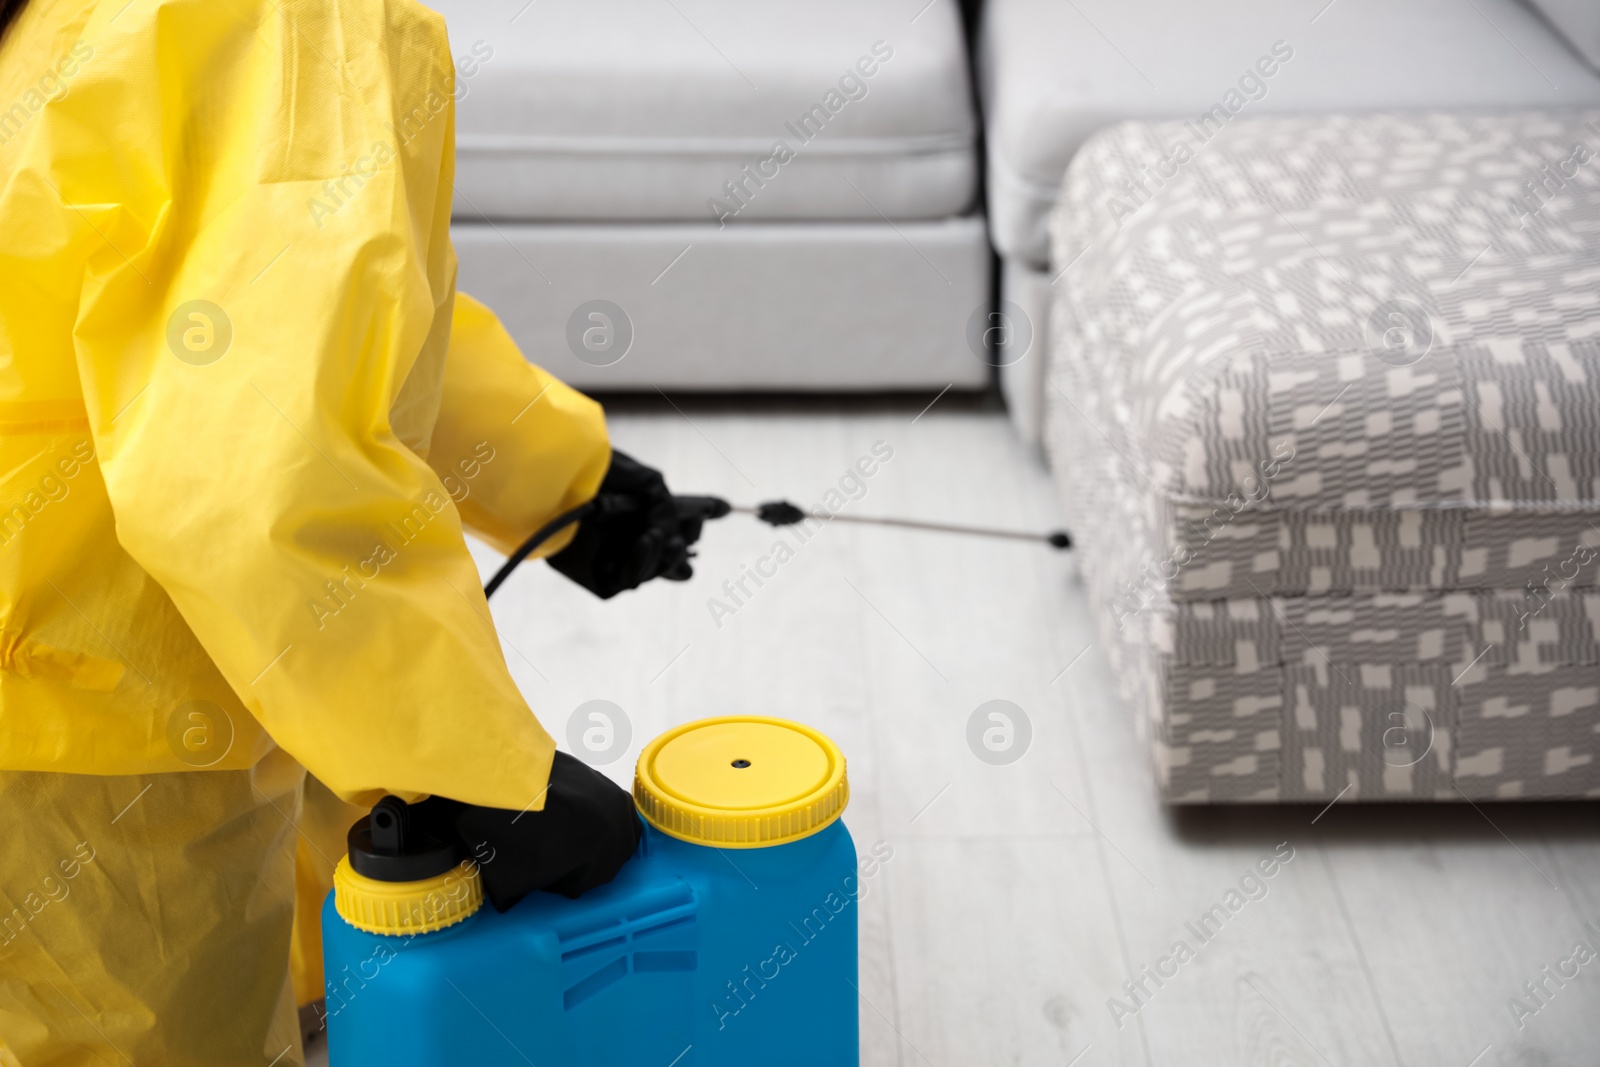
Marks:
<point>513,446</point>
<point>261,339</point>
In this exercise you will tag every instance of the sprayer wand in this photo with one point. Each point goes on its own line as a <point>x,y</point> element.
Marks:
<point>773,513</point>
<point>783,513</point>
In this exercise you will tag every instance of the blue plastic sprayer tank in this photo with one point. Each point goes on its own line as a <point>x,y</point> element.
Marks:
<point>729,940</point>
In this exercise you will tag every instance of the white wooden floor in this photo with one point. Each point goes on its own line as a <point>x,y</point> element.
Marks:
<point>1021,897</point>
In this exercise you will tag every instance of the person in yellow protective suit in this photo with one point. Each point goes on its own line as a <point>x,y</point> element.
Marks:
<point>244,417</point>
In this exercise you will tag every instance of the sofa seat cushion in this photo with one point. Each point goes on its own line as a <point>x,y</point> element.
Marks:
<point>637,109</point>
<point>1322,410</point>
<point>1051,74</point>
<point>1249,323</point>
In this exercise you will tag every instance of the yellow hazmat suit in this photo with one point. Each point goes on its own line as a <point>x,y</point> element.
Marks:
<point>243,419</point>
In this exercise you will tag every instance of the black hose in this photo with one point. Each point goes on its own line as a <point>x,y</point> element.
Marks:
<point>540,536</point>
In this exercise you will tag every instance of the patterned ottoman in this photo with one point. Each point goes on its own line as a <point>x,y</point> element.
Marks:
<point>1325,413</point>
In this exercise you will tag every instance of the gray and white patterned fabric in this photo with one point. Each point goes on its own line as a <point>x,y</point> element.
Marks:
<point>1324,407</point>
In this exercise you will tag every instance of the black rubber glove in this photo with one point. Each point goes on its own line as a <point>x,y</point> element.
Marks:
<point>634,535</point>
<point>586,832</point>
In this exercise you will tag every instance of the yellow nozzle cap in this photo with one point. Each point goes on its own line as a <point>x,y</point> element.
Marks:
<point>398,909</point>
<point>741,782</point>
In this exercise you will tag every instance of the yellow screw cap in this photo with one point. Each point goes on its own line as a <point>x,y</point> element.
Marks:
<point>403,908</point>
<point>741,782</point>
